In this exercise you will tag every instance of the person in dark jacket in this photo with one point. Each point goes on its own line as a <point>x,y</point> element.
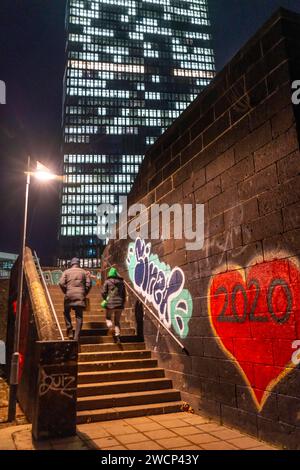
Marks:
<point>115,293</point>
<point>75,284</point>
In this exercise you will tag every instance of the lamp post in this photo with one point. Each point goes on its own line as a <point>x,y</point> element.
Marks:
<point>42,173</point>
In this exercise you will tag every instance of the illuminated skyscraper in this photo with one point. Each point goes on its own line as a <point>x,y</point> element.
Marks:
<point>132,67</point>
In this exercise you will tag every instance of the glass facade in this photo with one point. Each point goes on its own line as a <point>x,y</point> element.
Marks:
<point>7,260</point>
<point>132,67</point>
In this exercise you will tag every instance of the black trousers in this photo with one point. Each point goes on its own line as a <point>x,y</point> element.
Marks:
<point>117,312</point>
<point>79,320</point>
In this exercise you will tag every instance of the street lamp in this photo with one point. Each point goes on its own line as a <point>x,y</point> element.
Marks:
<point>42,173</point>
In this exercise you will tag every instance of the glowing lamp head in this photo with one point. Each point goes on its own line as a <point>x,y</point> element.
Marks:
<point>42,173</point>
<point>44,176</point>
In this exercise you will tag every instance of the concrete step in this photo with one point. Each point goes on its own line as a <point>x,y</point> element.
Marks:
<point>59,300</point>
<point>93,314</point>
<point>130,386</point>
<point>97,339</point>
<point>55,289</point>
<point>110,347</point>
<point>104,332</point>
<point>59,293</point>
<point>59,308</point>
<point>95,310</point>
<point>87,325</point>
<point>120,375</point>
<point>87,316</point>
<point>112,356</point>
<point>86,319</point>
<point>116,365</point>
<point>127,399</point>
<point>108,339</point>
<point>57,297</point>
<point>109,414</point>
<point>94,303</point>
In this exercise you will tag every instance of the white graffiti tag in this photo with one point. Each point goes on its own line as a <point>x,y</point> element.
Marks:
<point>62,383</point>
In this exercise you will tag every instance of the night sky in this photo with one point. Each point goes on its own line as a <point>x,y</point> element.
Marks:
<point>32,65</point>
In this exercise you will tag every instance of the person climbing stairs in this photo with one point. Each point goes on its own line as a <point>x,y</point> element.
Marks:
<point>115,381</point>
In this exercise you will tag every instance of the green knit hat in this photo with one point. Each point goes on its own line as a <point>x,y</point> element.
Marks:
<point>113,272</point>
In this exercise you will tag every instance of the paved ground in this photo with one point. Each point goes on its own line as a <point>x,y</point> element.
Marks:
<point>177,431</point>
<point>20,418</point>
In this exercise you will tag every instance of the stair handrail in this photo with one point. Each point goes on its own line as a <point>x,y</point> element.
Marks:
<point>183,348</point>
<point>48,295</point>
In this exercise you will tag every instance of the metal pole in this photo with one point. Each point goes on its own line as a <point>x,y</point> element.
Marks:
<point>14,372</point>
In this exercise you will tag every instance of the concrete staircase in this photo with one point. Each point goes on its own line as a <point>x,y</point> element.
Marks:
<point>116,381</point>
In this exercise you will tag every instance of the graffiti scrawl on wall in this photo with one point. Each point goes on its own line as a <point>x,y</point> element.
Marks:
<point>256,319</point>
<point>64,384</point>
<point>52,277</point>
<point>160,285</point>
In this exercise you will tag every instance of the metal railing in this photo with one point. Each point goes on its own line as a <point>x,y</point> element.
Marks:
<point>40,271</point>
<point>153,315</point>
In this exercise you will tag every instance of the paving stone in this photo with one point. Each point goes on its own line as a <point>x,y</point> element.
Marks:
<point>210,427</point>
<point>174,442</point>
<point>104,442</point>
<point>148,427</point>
<point>174,423</point>
<point>169,417</point>
<point>160,434</point>
<point>173,434</point>
<point>23,440</point>
<point>89,431</point>
<point>7,443</point>
<point>263,447</point>
<point>202,438</point>
<point>133,438</point>
<point>221,445</point>
<point>187,430</point>
<point>142,420</point>
<point>116,448</point>
<point>226,434</point>
<point>244,442</point>
<point>122,428</point>
<point>195,419</point>
<point>147,445</point>
<point>194,447</point>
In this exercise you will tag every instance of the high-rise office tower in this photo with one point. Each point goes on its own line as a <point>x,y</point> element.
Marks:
<point>132,67</point>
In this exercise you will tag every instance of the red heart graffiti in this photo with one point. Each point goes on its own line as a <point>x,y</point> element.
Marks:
<point>255,315</point>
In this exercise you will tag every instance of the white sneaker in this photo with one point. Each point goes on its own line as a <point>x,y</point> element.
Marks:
<point>117,331</point>
<point>109,324</point>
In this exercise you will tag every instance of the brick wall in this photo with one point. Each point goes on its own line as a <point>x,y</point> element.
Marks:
<point>235,150</point>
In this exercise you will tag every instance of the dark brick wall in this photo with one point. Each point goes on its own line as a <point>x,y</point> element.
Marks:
<point>236,150</point>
